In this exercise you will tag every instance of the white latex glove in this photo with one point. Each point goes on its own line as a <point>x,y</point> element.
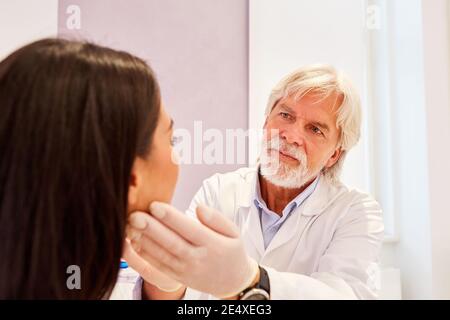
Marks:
<point>207,256</point>
<point>149,273</point>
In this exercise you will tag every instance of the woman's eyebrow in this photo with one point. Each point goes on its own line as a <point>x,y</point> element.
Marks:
<point>171,125</point>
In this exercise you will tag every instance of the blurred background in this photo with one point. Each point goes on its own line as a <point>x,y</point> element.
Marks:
<point>217,60</point>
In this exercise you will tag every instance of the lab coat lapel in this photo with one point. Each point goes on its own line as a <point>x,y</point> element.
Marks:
<point>298,221</point>
<point>293,226</point>
<point>324,194</point>
<point>252,229</point>
<point>248,214</point>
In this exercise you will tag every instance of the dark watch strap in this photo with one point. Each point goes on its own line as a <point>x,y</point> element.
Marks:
<point>256,290</point>
<point>264,282</point>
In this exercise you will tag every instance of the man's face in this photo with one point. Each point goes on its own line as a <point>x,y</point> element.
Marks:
<point>301,139</point>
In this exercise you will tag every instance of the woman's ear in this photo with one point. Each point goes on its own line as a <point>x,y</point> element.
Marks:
<point>334,158</point>
<point>133,188</point>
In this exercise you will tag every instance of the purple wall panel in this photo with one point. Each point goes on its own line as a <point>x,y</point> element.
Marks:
<point>198,49</point>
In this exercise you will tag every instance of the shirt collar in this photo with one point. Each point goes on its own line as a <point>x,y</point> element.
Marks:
<point>324,194</point>
<point>293,204</point>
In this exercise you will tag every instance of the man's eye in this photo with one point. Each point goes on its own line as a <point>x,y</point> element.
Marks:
<point>285,115</point>
<point>316,130</point>
<point>175,140</point>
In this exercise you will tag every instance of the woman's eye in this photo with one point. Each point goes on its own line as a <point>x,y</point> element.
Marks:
<point>175,140</point>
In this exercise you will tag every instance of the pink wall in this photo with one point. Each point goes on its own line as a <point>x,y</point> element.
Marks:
<point>198,49</point>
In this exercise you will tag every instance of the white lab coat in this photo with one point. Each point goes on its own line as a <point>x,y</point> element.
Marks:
<point>327,249</point>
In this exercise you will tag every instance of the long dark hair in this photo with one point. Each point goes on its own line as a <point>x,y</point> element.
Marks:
<point>73,117</point>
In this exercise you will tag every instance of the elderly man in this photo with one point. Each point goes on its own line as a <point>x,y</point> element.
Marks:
<point>286,229</point>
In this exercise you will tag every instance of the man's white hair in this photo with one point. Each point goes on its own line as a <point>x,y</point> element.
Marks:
<point>324,80</point>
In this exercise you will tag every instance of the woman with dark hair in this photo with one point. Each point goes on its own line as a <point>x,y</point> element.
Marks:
<point>84,141</point>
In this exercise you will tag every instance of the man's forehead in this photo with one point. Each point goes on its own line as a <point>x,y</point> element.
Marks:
<point>311,106</point>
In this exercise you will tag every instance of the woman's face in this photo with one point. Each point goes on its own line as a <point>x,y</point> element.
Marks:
<point>154,178</point>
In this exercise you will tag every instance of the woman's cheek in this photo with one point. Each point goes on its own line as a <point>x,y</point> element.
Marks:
<point>174,157</point>
<point>173,166</point>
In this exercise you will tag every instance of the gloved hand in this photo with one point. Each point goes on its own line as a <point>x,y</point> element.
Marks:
<point>149,273</point>
<point>206,255</point>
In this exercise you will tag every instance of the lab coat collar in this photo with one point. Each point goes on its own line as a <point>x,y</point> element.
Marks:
<point>324,194</point>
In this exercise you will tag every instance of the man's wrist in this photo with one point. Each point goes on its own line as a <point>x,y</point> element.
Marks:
<point>252,284</point>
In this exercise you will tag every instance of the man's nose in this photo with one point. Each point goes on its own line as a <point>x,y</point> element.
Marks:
<point>292,136</point>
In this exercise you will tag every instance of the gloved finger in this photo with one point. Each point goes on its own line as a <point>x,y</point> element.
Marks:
<point>185,226</point>
<point>185,254</point>
<point>133,233</point>
<point>160,261</point>
<point>148,246</point>
<point>135,261</point>
<point>213,219</point>
<point>166,238</point>
<point>138,219</point>
<point>147,271</point>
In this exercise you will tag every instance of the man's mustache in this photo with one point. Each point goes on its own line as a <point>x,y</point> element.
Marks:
<point>278,145</point>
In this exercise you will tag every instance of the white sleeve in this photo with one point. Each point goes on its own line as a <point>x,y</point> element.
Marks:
<point>349,267</point>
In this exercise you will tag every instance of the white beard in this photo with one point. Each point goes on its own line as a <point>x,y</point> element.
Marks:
<point>280,173</point>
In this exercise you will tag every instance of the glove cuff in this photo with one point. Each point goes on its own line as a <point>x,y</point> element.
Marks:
<point>173,288</point>
<point>251,273</point>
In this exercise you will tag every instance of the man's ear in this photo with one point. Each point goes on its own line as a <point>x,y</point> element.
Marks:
<point>334,158</point>
<point>134,184</point>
